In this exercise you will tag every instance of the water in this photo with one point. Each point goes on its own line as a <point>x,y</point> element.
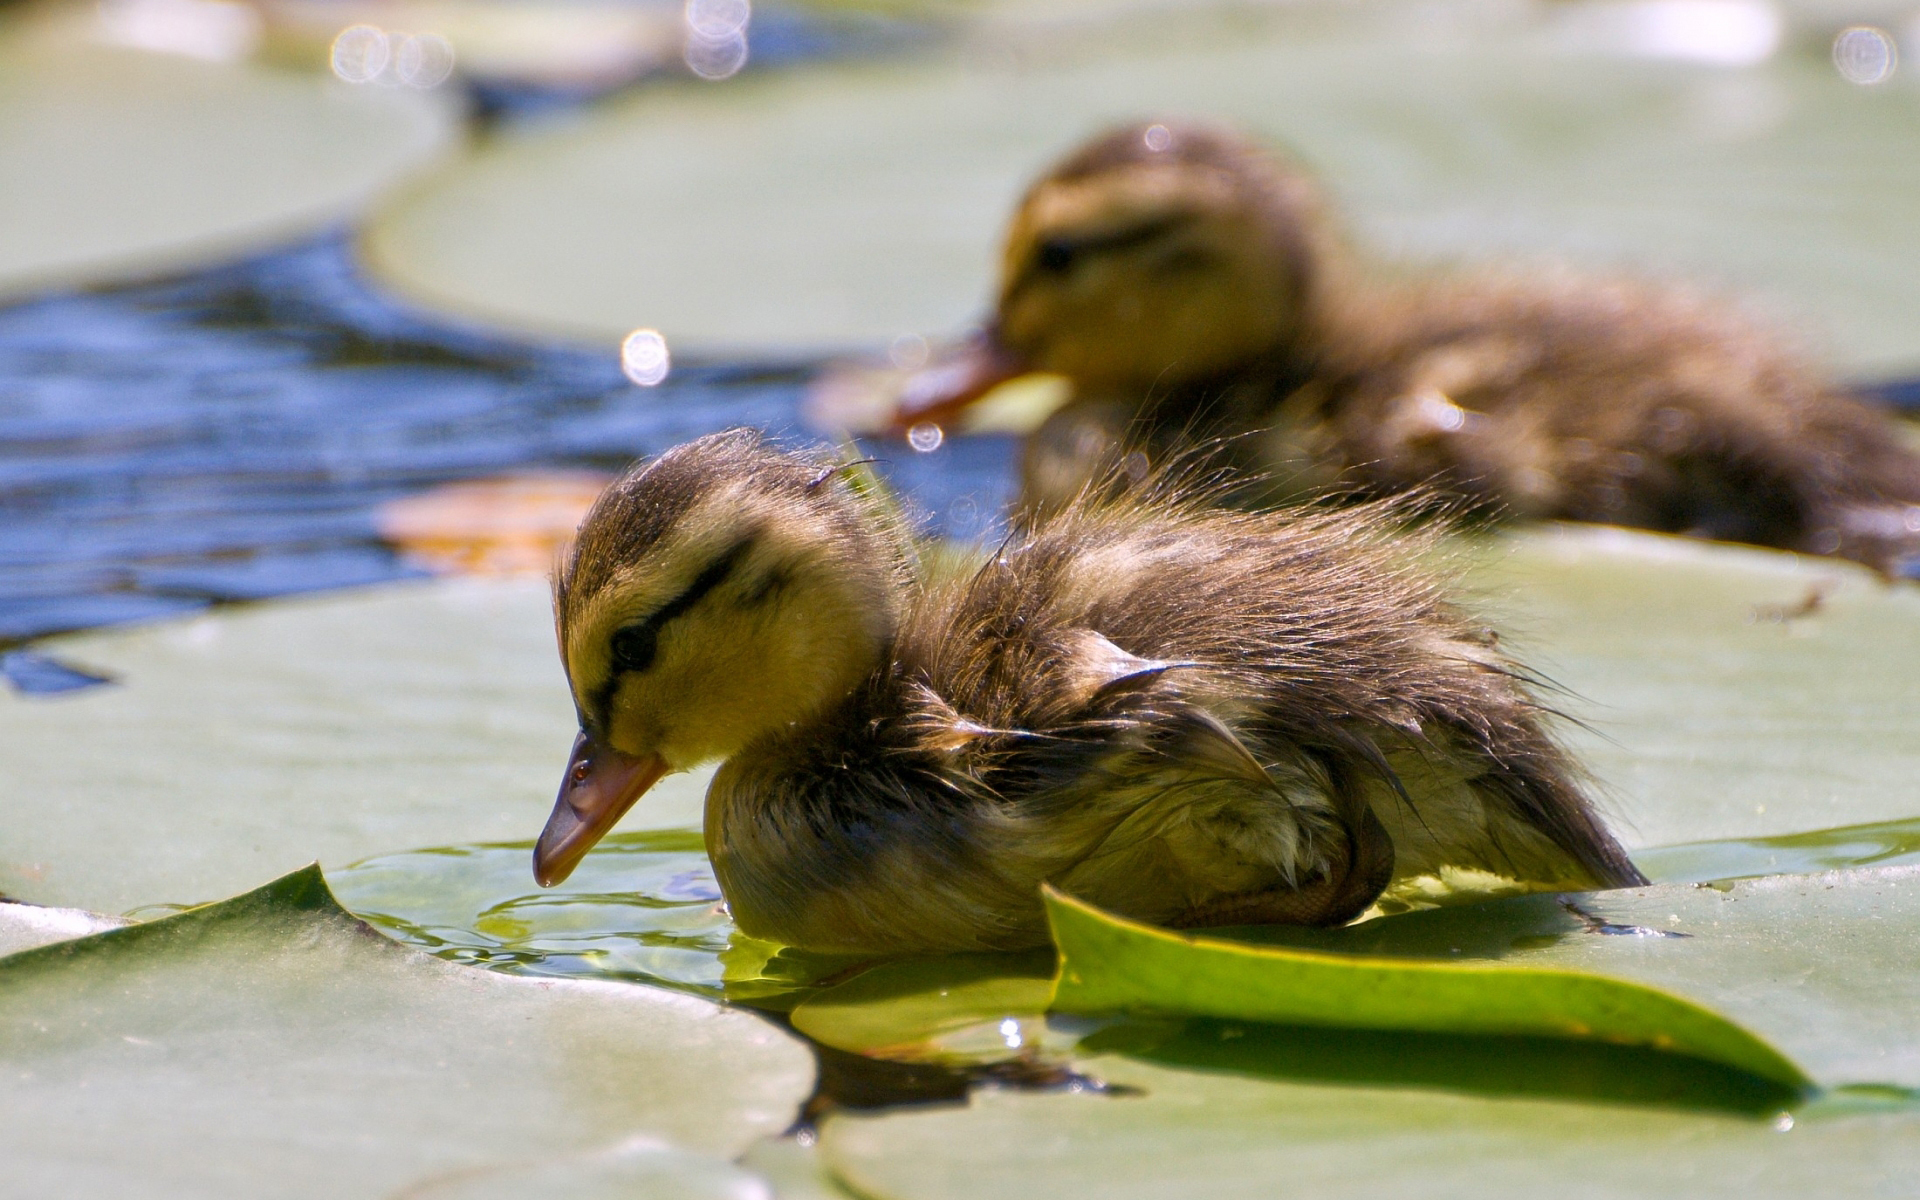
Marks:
<point>643,907</point>
<point>229,435</point>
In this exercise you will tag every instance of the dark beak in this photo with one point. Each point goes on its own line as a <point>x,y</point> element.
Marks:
<point>943,389</point>
<point>600,786</point>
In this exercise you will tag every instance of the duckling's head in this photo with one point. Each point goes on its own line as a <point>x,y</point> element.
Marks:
<point>724,591</point>
<point>1159,252</point>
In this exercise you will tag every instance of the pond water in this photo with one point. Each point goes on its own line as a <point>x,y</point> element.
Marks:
<point>231,434</point>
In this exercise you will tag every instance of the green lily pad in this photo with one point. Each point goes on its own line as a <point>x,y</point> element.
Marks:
<point>124,162</point>
<point>848,204</point>
<point>24,926</point>
<point>273,1043</point>
<point>793,1167</point>
<point>1886,844</point>
<point>1229,1134</point>
<point>1821,966</point>
<point>1112,965</point>
<point>246,742</point>
<point>957,1008</point>
<point>1723,692</point>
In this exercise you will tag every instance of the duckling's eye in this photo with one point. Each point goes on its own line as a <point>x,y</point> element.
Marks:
<point>1054,255</point>
<point>634,647</point>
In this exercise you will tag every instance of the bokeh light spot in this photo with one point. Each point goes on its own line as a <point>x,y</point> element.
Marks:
<point>644,358</point>
<point>361,53</point>
<point>1865,55</point>
<point>423,60</point>
<point>926,437</point>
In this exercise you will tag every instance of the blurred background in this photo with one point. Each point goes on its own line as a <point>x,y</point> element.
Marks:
<point>302,294</point>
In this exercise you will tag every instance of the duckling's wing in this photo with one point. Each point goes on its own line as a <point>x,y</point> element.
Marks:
<point>1203,833</point>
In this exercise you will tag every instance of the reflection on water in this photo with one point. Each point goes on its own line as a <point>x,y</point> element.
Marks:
<point>231,435</point>
<point>643,906</point>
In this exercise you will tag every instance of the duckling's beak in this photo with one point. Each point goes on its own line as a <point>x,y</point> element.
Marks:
<point>942,390</point>
<point>600,786</point>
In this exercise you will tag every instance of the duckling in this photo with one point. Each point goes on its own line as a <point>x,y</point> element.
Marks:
<point>1186,714</point>
<point>1191,287</point>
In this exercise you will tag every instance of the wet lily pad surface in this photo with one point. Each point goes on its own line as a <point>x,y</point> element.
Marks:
<point>273,1036</point>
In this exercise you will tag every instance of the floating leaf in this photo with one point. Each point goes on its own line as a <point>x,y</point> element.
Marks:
<point>856,202</point>
<point>123,162</point>
<point>1887,843</point>
<point>1821,966</point>
<point>1231,1134</point>
<point>245,742</point>
<point>1725,692</point>
<point>1112,965</point>
<point>24,926</point>
<point>273,1044</point>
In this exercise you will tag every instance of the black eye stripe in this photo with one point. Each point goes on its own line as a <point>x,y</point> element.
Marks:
<point>639,640</point>
<point>635,645</point>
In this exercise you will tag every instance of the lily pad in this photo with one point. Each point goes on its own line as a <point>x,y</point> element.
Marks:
<point>274,1043</point>
<point>245,742</point>
<point>1229,1134</point>
<point>1721,692</point>
<point>122,162</point>
<point>24,926</point>
<point>850,204</point>
<point>1821,966</point>
<point>1888,844</point>
<point>1112,965</point>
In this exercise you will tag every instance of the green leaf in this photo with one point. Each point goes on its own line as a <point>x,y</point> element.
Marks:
<point>1885,843</point>
<point>273,1043</point>
<point>1112,965</point>
<point>849,203</point>
<point>1821,966</point>
<point>1230,1134</point>
<point>125,162</point>
<point>1717,702</point>
<point>240,744</point>
<point>24,926</point>
<point>958,1008</point>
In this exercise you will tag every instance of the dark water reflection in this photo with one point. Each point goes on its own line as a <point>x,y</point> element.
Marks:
<point>228,435</point>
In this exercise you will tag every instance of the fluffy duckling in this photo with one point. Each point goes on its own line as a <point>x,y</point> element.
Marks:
<point>1188,715</point>
<point>1189,284</point>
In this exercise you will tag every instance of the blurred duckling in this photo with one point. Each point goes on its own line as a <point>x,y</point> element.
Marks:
<point>1188,715</point>
<point>1191,287</point>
